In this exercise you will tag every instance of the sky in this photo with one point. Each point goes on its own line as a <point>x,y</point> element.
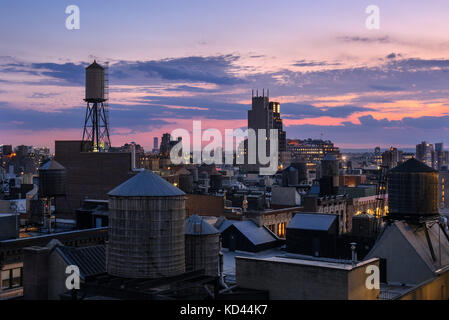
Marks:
<point>172,62</point>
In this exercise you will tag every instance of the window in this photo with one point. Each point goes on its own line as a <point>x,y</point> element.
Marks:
<point>16,277</point>
<point>281,229</point>
<point>11,278</point>
<point>6,279</point>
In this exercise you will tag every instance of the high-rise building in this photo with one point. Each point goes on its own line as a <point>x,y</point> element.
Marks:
<point>167,144</point>
<point>377,156</point>
<point>425,153</point>
<point>391,158</point>
<point>5,149</point>
<point>441,157</point>
<point>267,115</point>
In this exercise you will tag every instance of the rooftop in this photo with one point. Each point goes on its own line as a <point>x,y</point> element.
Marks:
<point>196,225</point>
<point>90,260</point>
<point>312,221</point>
<point>257,235</point>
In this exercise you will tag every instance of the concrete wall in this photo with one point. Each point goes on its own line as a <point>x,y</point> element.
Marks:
<point>8,226</point>
<point>357,283</point>
<point>35,273</point>
<point>435,289</point>
<point>56,275</point>
<point>204,205</point>
<point>293,281</point>
<point>89,174</point>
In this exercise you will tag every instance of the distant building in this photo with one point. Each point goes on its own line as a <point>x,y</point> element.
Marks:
<point>441,156</point>
<point>443,187</point>
<point>5,149</point>
<point>266,115</point>
<point>167,144</point>
<point>391,158</point>
<point>156,145</point>
<point>311,151</point>
<point>377,156</point>
<point>425,153</point>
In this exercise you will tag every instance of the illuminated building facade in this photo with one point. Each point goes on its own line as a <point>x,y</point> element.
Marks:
<point>311,151</point>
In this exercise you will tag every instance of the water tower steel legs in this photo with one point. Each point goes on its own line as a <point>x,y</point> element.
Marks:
<point>96,129</point>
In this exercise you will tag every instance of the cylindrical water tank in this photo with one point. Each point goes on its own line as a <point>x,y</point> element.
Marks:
<point>94,83</point>
<point>302,171</point>
<point>202,246</point>
<point>412,190</point>
<point>146,238</point>
<point>52,179</point>
<point>186,183</point>
<point>364,225</point>
<point>194,172</point>
<point>292,176</point>
<point>329,166</point>
<point>216,181</point>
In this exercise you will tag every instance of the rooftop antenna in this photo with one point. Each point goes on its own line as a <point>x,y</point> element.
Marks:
<point>263,93</point>
<point>268,93</point>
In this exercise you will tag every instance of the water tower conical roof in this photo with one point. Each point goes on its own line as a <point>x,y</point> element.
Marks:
<point>329,157</point>
<point>205,228</point>
<point>95,65</point>
<point>146,184</point>
<point>51,165</point>
<point>412,165</point>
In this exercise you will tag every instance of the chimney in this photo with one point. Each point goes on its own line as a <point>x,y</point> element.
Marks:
<point>35,273</point>
<point>133,156</point>
<point>354,253</point>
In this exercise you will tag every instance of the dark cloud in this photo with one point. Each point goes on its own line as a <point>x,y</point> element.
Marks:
<point>305,63</point>
<point>69,72</point>
<point>303,111</point>
<point>216,69</point>
<point>386,88</point>
<point>393,55</point>
<point>190,89</point>
<point>382,39</point>
<point>136,118</point>
<point>407,131</point>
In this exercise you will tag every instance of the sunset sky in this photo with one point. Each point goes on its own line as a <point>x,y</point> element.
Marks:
<point>172,62</point>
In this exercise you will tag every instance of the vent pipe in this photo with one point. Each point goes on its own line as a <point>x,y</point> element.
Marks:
<point>353,253</point>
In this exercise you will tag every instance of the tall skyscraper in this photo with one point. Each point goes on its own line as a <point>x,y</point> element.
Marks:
<point>425,153</point>
<point>441,157</point>
<point>267,115</point>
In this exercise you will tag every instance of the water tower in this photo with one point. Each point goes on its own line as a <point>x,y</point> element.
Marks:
<point>96,123</point>
<point>52,184</point>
